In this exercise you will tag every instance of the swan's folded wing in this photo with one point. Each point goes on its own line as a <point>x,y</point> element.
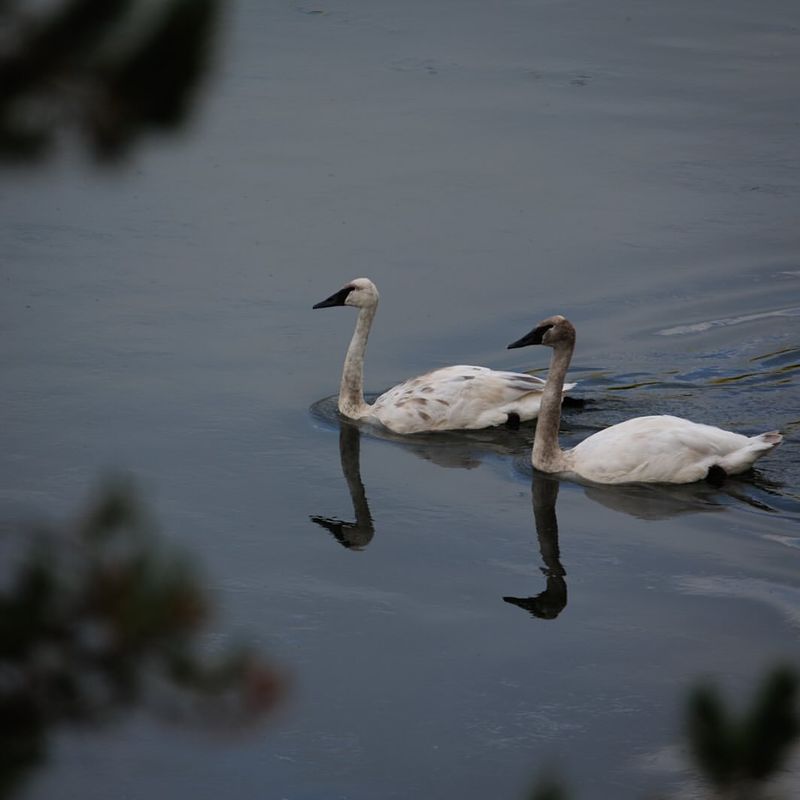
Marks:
<point>459,397</point>
<point>657,449</point>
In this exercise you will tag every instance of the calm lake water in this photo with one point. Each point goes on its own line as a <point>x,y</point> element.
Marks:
<point>633,166</point>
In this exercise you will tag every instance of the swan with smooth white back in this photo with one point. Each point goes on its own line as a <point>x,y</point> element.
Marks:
<point>653,449</point>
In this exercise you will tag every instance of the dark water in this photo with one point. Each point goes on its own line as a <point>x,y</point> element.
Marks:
<point>633,166</point>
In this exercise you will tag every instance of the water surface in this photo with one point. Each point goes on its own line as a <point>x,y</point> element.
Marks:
<point>631,166</point>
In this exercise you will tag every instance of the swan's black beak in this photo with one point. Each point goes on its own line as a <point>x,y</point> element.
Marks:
<point>534,337</point>
<point>336,299</point>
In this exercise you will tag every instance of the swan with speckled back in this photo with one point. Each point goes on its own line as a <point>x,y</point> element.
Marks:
<point>653,449</point>
<point>461,397</point>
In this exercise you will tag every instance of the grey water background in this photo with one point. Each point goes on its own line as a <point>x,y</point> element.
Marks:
<point>631,165</point>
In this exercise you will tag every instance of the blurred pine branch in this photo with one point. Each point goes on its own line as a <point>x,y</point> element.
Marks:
<point>736,759</point>
<point>740,757</point>
<point>109,70</point>
<point>100,617</point>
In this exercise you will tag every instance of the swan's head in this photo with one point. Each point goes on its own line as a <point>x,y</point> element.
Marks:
<point>361,293</point>
<point>551,332</point>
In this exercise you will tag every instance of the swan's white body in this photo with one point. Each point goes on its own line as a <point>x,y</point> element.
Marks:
<point>461,397</point>
<point>655,449</point>
<point>458,397</point>
<point>663,449</point>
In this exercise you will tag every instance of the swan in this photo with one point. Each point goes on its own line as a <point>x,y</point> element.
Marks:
<point>451,398</point>
<point>654,449</point>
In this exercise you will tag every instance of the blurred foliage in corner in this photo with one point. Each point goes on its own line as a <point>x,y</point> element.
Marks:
<point>549,789</point>
<point>735,758</point>
<point>740,757</point>
<point>100,617</point>
<point>112,70</point>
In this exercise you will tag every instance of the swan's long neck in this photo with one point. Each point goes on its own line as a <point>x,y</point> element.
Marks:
<point>351,389</point>
<point>547,456</point>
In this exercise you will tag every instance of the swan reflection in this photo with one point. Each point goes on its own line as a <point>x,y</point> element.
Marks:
<point>464,450</point>
<point>643,501</point>
<point>648,501</point>
<point>353,535</point>
<point>549,603</point>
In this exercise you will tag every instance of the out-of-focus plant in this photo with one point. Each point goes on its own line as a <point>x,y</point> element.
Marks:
<point>111,70</point>
<point>100,617</point>
<point>549,789</point>
<point>737,759</point>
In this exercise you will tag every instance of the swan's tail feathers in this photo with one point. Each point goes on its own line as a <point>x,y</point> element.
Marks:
<point>568,386</point>
<point>744,457</point>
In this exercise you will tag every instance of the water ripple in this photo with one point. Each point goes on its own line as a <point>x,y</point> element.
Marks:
<point>699,327</point>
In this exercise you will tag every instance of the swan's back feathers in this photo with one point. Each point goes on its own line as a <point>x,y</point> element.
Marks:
<point>665,449</point>
<point>459,397</point>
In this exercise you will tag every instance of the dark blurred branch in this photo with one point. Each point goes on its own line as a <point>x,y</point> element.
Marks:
<point>102,617</point>
<point>112,70</point>
<point>737,759</point>
<point>549,789</point>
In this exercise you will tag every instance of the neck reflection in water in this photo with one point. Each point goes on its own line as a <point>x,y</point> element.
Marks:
<point>352,535</point>
<point>357,535</point>
<point>552,601</point>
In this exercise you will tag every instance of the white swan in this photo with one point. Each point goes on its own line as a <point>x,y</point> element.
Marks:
<point>460,397</point>
<point>656,449</point>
